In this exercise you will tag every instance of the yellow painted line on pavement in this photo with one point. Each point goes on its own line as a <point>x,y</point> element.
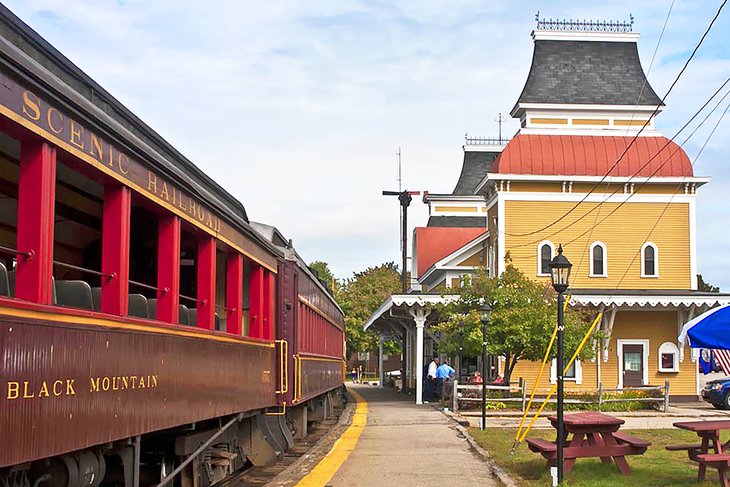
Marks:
<point>328,466</point>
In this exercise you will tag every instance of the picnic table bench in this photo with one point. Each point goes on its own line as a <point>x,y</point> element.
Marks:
<point>595,435</point>
<point>709,452</point>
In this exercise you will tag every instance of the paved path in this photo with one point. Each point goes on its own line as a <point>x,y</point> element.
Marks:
<point>407,445</point>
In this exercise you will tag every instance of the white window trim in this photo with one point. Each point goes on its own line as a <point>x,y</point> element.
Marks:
<point>605,260</point>
<point>620,352</point>
<point>578,379</point>
<point>668,347</point>
<point>656,260</point>
<point>539,256</point>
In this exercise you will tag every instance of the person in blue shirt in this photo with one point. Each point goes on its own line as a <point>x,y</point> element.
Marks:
<point>443,373</point>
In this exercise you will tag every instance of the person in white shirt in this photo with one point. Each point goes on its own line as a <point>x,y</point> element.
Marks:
<point>430,379</point>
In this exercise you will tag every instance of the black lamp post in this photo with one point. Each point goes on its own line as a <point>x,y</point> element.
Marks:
<point>485,312</point>
<point>560,275</point>
<point>461,350</point>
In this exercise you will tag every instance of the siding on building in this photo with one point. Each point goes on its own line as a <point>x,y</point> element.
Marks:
<point>624,233</point>
<point>656,326</point>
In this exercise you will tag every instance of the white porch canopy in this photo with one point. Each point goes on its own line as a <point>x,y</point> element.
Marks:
<point>406,316</point>
<point>686,303</point>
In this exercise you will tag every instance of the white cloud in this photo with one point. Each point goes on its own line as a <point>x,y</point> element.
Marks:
<point>297,108</point>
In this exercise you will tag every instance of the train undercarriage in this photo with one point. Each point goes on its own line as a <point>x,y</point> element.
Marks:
<point>195,455</point>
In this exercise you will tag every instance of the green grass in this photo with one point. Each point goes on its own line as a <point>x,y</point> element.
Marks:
<point>656,467</point>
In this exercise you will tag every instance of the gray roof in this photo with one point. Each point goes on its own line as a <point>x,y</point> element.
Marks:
<point>476,166</point>
<point>458,221</point>
<point>587,72</point>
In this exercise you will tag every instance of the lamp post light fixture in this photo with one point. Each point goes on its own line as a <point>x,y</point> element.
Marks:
<point>560,268</point>
<point>485,312</point>
<point>461,350</point>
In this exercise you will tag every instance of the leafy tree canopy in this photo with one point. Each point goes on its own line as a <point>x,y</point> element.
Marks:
<point>524,314</point>
<point>704,286</point>
<point>359,297</point>
<point>323,272</point>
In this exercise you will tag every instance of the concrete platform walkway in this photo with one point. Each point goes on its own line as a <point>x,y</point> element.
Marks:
<point>407,445</point>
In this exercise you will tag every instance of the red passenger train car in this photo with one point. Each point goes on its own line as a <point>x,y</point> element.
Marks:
<point>147,328</point>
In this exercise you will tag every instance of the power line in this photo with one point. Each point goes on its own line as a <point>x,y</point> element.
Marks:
<point>651,64</point>
<point>574,222</point>
<point>666,207</point>
<point>633,114</point>
<point>633,140</point>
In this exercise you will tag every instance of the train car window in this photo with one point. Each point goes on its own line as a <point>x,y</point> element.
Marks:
<point>77,237</point>
<point>246,327</point>
<point>220,290</point>
<point>189,273</point>
<point>143,260</point>
<point>9,174</point>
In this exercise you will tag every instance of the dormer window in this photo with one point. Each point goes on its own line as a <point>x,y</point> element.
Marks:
<point>649,260</point>
<point>545,252</point>
<point>598,260</point>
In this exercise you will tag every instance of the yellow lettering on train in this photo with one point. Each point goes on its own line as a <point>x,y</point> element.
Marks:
<point>154,380</point>
<point>164,193</point>
<point>70,387</point>
<point>132,380</point>
<point>151,182</point>
<point>125,381</point>
<point>94,384</point>
<point>49,117</point>
<point>44,390</point>
<point>75,138</point>
<point>25,391</point>
<point>97,150</point>
<point>141,383</point>
<point>33,105</point>
<point>105,384</point>
<point>57,388</point>
<point>13,389</point>
<point>123,163</point>
<point>115,383</point>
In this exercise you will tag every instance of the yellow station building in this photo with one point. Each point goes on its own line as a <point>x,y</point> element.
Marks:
<point>587,169</point>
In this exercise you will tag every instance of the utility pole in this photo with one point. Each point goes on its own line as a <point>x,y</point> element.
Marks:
<point>404,197</point>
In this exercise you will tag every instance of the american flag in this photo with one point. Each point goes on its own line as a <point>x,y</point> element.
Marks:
<point>723,358</point>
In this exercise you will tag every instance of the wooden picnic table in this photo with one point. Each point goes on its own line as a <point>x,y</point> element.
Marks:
<point>709,433</point>
<point>595,435</point>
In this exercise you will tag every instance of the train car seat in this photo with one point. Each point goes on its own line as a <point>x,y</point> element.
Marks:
<point>4,284</point>
<point>74,293</point>
<point>96,298</point>
<point>138,306</point>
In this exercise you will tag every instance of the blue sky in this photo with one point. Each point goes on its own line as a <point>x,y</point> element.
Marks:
<point>298,108</point>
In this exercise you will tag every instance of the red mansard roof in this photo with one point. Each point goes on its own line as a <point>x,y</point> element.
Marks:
<point>435,243</point>
<point>589,155</point>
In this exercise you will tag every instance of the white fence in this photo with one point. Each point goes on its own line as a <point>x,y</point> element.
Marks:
<point>466,393</point>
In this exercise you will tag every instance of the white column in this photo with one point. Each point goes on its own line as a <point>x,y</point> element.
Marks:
<point>381,372</point>
<point>420,323</point>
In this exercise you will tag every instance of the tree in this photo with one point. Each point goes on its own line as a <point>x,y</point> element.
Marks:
<point>524,313</point>
<point>704,286</point>
<point>359,297</point>
<point>322,271</point>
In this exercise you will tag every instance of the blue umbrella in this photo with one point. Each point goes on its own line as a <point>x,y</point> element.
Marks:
<point>709,330</point>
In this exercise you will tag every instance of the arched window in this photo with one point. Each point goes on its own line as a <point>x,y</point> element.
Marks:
<point>545,252</point>
<point>598,260</point>
<point>649,260</point>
